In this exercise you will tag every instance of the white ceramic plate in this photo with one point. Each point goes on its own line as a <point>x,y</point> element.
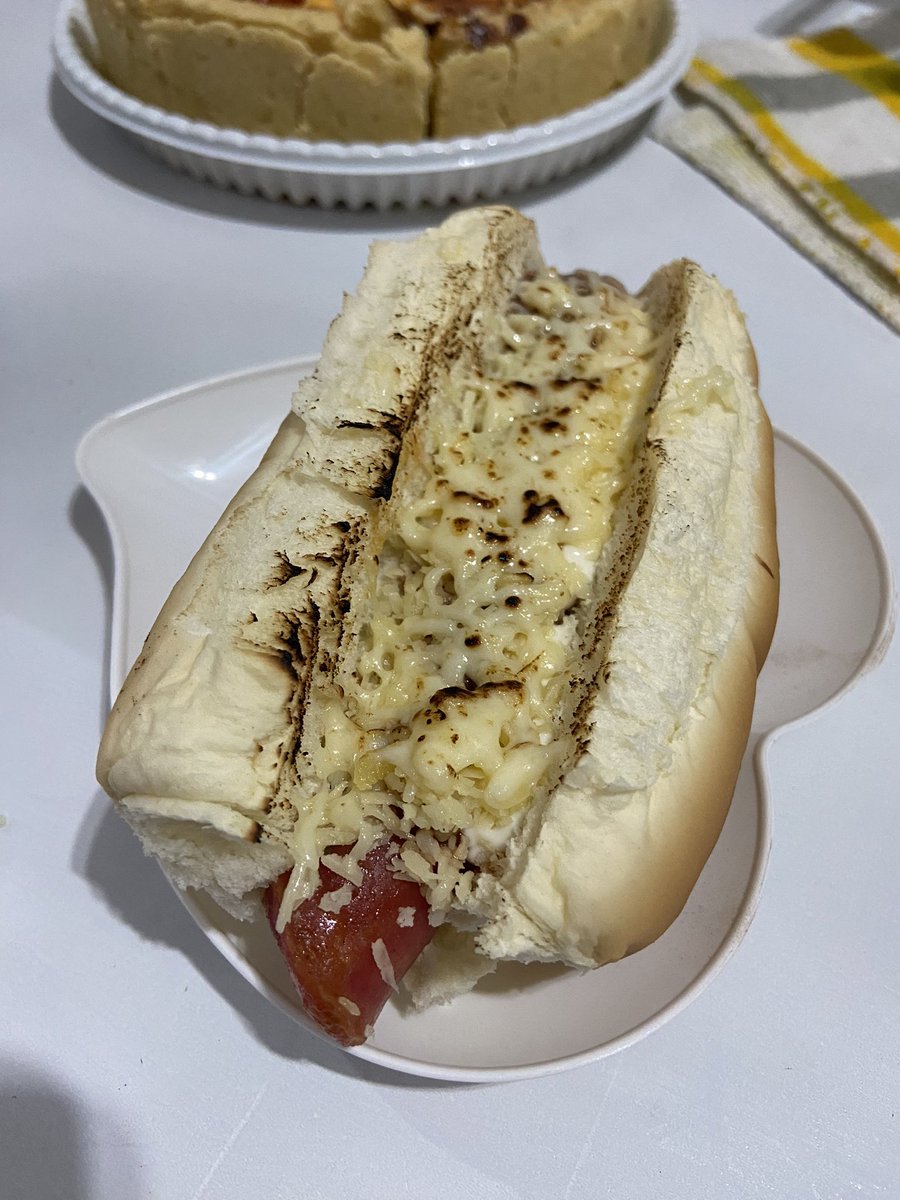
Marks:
<point>329,173</point>
<point>162,471</point>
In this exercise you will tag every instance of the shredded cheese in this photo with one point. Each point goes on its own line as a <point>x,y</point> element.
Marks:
<point>383,963</point>
<point>334,901</point>
<point>463,665</point>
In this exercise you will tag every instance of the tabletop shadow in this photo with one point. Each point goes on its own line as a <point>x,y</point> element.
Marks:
<point>51,1145</point>
<point>88,522</point>
<point>115,154</point>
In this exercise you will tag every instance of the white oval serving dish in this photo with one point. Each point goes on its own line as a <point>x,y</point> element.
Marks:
<point>162,471</point>
<point>437,172</point>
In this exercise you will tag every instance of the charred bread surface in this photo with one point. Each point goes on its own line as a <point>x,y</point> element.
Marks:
<point>254,730</point>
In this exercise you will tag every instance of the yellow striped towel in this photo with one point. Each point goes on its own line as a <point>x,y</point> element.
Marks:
<point>806,131</point>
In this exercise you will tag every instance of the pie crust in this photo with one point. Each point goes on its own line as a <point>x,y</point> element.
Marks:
<point>374,70</point>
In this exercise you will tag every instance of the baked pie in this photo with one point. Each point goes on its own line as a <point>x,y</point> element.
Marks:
<point>374,70</point>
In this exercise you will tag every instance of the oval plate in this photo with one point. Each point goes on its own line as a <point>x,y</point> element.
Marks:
<point>162,471</point>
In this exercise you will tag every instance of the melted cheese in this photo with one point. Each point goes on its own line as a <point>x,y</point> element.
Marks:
<point>455,719</point>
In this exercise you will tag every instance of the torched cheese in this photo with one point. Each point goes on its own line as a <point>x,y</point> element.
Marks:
<point>473,632</point>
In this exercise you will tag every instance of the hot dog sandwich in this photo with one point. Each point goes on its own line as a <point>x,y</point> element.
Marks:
<point>474,649</point>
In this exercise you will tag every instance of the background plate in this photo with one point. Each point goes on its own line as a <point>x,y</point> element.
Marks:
<point>161,473</point>
<point>355,174</point>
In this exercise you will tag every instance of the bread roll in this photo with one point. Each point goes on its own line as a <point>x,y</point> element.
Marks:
<point>500,589</point>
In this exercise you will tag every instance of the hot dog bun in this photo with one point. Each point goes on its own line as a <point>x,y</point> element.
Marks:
<point>321,664</point>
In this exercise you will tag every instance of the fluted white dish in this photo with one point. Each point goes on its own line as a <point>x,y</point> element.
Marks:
<point>161,473</point>
<point>436,171</point>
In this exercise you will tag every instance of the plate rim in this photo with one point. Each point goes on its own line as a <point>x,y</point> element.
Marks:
<point>757,752</point>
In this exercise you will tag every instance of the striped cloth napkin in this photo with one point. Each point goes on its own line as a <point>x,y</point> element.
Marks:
<point>806,131</point>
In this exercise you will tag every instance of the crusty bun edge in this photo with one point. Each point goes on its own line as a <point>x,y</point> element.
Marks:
<point>609,863</point>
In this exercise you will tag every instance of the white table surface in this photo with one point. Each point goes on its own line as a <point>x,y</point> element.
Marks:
<point>134,1061</point>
